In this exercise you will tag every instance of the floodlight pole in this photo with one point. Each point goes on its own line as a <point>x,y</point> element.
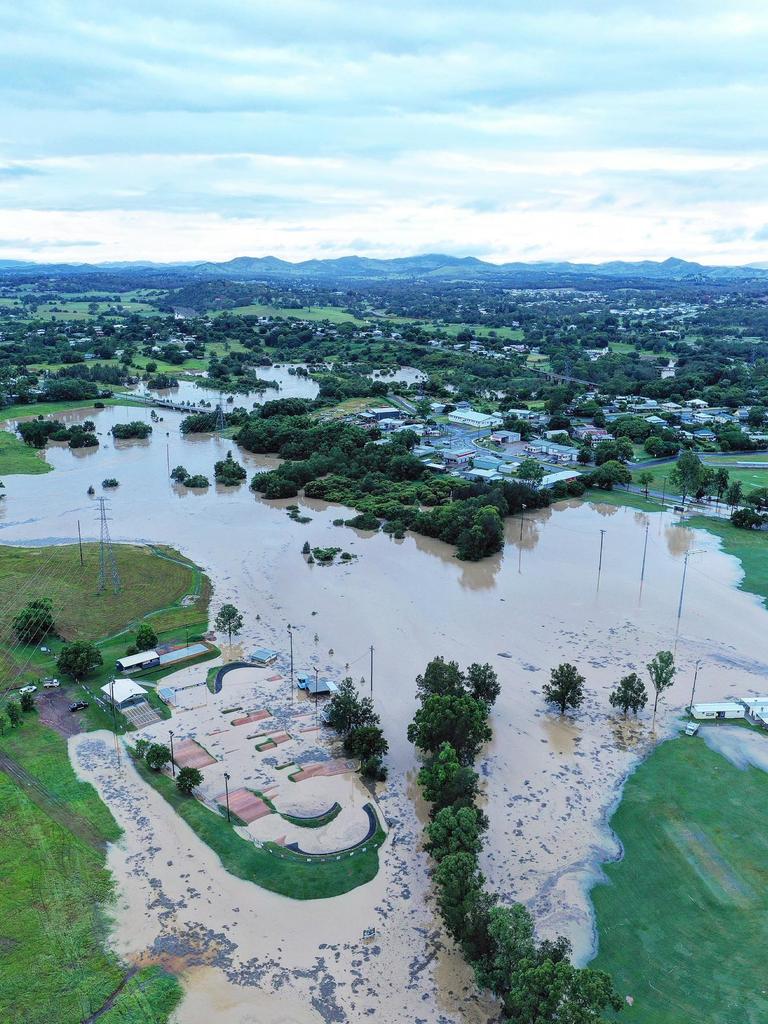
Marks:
<point>695,677</point>
<point>600,557</point>
<point>371,669</point>
<point>316,686</point>
<point>173,766</point>
<point>226,794</point>
<point>645,549</point>
<point>290,637</point>
<point>112,699</point>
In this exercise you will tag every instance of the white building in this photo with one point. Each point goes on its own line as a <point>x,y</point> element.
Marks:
<point>474,420</point>
<point>723,709</point>
<point>124,692</point>
<point>137,662</point>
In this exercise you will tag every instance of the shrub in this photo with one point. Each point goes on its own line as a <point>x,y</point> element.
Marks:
<point>110,482</point>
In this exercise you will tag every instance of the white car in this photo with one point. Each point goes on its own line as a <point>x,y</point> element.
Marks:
<point>50,683</point>
<point>27,689</point>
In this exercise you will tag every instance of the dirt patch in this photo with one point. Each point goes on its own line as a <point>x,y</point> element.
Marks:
<point>53,709</point>
<point>189,754</point>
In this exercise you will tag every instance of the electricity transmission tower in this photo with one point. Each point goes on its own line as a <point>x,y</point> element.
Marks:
<point>220,421</point>
<point>106,552</point>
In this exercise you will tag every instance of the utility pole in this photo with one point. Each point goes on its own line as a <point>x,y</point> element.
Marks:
<point>600,558</point>
<point>290,637</point>
<point>645,548</point>
<point>80,541</point>
<point>695,677</point>
<point>682,585</point>
<point>226,793</point>
<point>112,699</point>
<point>371,669</point>
<point>173,765</point>
<point>317,683</point>
<point>168,458</point>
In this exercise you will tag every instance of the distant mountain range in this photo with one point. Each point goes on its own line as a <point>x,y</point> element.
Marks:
<point>428,267</point>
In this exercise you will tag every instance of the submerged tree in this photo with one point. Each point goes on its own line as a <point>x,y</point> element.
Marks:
<point>629,694</point>
<point>662,672</point>
<point>565,687</point>
<point>229,620</point>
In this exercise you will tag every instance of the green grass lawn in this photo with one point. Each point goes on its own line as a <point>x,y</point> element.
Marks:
<point>749,478</point>
<point>620,497</point>
<point>17,457</point>
<point>331,313</point>
<point>55,896</point>
<point>683,917</point>
<point>154,581</point>
<point>13,412</point>
<point>749,546</point>
<point>271,867</point>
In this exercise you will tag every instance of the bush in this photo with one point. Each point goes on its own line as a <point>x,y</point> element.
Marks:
<point>110,482</point>
<point>134,429</point>
<point>229,472</point>
<point>748,519</point>
<point>198,480</point>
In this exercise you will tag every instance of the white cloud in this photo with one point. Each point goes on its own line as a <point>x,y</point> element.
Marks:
<point>574,131</point>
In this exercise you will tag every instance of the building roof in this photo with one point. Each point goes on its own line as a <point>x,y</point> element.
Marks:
<point>123,690</point>
<point>473,416</point>
<point>725,705</point>
<point>133,660</point>
<point>561,474</point>
<point>754,702</point>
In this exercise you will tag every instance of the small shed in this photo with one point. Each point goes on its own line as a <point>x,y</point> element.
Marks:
<point>316,687</point>
<point>263,656</point>
<point>723,709</point>
<point>124,692</point>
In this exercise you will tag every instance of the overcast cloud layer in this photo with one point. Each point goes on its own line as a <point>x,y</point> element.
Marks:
<point>576,130</point>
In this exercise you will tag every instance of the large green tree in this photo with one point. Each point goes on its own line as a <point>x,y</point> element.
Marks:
<point>446,782</point>
<point>229,620</point>
<point>662,671</point>
<point>440,677</point>
<point>458,880</point>
<point>460,721</point>
<point>347,710</point>
<point>565,687</point>
<point>188,779</point>
<point>35,621</point>
<point>455,830</point>
<point>688,475</point>
<point>629,694</point>
<point>79,659</point>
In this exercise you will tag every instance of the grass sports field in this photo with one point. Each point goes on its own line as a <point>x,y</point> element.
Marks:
<point>749,546</point>
<point>749,477</point>
<point>55,897</point>
<point>683,917</point>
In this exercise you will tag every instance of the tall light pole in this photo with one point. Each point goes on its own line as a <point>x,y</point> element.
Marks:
<point>173,766</point>
<point>317,683</point>
<point>226,794</point>
<point>371,669</point>
<point>112,701</point>
<point>600,557</point>
<point>290,637</point>
<point>645,549</point>
<point>695,677</point>
<point>682,585</point>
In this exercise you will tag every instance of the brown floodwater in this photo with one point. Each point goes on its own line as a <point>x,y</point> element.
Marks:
<point>549,783</point>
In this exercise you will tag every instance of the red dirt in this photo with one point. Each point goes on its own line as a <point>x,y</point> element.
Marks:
<point>245,804</point>
<point>189,754</point>
<point>255,716</point>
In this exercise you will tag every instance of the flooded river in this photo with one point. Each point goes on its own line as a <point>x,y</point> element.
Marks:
<point>549,783</point>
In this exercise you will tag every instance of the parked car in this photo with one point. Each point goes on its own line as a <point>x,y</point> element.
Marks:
<point>27,689</point>
<point>49,684</point>
<point>78,705</point>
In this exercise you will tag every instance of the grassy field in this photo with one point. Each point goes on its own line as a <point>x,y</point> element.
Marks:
<point>150,581</point>
<point>55,898</point>
<point>620,497</point>
<point>749,546</point>
<point>17,457</point>
<point>749,477</point>
<point>315,313</point>
<point>14,412</point>
<point>683,917</point>
<point>154,581</point>
<point>271,866</point>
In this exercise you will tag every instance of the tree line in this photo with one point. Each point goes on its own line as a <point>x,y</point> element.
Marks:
<point>535,981</point>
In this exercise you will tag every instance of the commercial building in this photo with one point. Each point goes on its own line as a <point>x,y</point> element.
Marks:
<point>474,420</point>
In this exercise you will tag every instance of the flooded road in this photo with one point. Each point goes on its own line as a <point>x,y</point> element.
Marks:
<point>549,783</point>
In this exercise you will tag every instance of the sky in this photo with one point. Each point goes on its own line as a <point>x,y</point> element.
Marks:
<point>575,130</point>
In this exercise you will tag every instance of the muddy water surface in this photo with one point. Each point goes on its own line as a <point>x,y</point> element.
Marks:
<point>549,783</point>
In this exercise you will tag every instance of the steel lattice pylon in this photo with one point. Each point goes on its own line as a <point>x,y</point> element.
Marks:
<point>106,552</point>
<point>220,421</point>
